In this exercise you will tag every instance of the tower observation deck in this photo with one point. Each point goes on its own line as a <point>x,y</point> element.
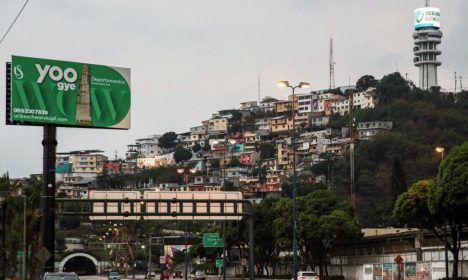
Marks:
<point>427,36</point>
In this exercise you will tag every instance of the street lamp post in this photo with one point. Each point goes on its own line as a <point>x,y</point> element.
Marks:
<point>186,175</point>
<point>293,140</point>
<point>148,264</point>
<point>223,188</point>
<point>441,151</point>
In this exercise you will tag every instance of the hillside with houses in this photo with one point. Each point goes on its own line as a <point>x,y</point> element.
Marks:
<point>250,148</point>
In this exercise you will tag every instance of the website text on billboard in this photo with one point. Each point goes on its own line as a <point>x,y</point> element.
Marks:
<point>67,93</point>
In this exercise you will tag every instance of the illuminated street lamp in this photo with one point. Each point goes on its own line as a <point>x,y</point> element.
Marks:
<point>293,113</point>
<point>223,188</point>
<point>186,173</point>
<point>441,151</point>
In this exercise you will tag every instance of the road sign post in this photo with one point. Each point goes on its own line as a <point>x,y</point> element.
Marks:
<point>219,263</point>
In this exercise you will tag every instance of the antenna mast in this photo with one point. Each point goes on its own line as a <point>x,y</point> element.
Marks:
<point>428,3</point>
<point>332,66</point>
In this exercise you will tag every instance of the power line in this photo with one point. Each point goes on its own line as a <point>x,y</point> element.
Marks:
<point>17,16</point>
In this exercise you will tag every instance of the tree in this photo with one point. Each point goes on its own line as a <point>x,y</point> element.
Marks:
<point>411,208</point>
<point>449,197</point>
<point>196,148</point>
<point>266,254</point>
<point>398,183</point>
<point>12,223</point>
<point>392,86</point>
<point>366,82</point>
<point>323,222</point>
<point>235,123</point>
<point>438,205</point>
<point>234,162</point>
<point>266,150</point>
<point>182,154</point>
<point>261,172</point>
<point>70,222</point>
<point>167,140</point>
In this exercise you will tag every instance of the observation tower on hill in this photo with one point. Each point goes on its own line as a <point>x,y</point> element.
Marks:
<point>427,36</point>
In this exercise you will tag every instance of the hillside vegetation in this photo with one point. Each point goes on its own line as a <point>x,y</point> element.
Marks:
<point>389,163</point>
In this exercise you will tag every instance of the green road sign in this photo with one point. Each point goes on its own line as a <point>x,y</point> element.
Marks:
<point>212,240</point>
<point>219,263</point>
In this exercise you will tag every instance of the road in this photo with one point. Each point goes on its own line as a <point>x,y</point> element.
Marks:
<point>97,277</point>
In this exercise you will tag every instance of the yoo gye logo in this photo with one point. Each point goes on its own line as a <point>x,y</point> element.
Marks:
<point>56,74</point>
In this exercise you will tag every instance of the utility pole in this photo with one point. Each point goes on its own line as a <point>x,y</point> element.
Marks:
<point>455,82</point>
<point>461,85</point>
<point>332,66</point>
<point>351,152</point>
<point>259,87</point>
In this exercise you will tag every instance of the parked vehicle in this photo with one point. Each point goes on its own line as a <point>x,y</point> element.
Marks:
<point>164,275</point>
<point>113,275</point>
<point>307,275</point>
<point>178,274</point>
<point>60,276</point>
<point>198,275</point>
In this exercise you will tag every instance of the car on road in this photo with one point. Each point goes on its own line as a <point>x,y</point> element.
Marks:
<point>60,276</point>
<point>198,275</point>
<point>178,274</point>
<point>113,275</point>
<point>164,275</point>
<point>151,275</point>
<point>307,275</point>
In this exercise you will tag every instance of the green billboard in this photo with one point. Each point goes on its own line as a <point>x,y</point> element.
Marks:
<point>64,93</point>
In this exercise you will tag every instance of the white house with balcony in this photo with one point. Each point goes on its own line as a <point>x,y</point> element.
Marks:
<point>361,100</point>
<point>366,130</point>
<point>248,105</point>
<point>199,130</point>
<point>217,125</point>
<point>305,102</point>
<point>148,147</point>
<point>268,104</point>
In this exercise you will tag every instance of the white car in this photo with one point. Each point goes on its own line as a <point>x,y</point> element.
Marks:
<point>307,275</point>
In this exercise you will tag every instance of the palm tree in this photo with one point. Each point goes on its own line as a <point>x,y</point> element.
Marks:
<point>12,221</point>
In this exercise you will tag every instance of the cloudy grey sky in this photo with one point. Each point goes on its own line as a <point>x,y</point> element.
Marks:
<point>191,58</point>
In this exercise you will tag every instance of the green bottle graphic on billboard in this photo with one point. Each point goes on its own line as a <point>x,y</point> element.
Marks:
<point>70,93</point>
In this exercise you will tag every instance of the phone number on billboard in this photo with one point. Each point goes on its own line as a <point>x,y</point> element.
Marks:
<point>30,111</point>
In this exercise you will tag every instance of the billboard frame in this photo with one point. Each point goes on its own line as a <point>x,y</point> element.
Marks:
<point>9,99</point>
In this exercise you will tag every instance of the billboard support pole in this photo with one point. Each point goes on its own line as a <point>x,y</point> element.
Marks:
<point>49,144</point>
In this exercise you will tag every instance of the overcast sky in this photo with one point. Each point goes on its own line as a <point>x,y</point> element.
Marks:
<point>190,59</point>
